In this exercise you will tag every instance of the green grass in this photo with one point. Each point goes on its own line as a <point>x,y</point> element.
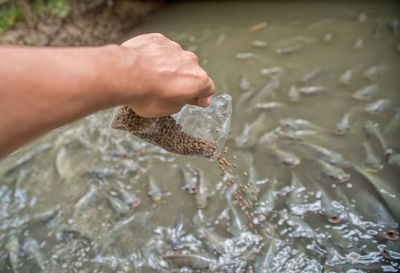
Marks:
<point>10,13</point>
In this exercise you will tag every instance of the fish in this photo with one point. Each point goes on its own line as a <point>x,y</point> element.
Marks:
<point>359,44</point>
<point>372,129</point>
<point>371,161</point>
<point>268,105</point>
<point>86,200</point>
<point>14,253</point>
<point>258,26</point>
<point>285,50</point>
<point>346,77</point>
<point>394,26</point>
<point>334,172</point>
<point>201,196</point>
<point>275,71</point>
<point>293,94</point>
<point>389,195</point>
<point>215,241</point>
<point>375,72</point>
<point>252,132</point>
<point>243,99</point>
<point>295,196</point>
<point>328,155</point>
<point>343,126</point>
<point>244,55</point>
<point>286,158</point>
<point>327,37</point>
<point>309,77</point>
<point>394,160</point>
<point>129,198</point>
<point>394,123</point>
<point>300,229</point>
<point>269,138</point>
<point>265,262</point>
<point>190,179</point>
<point>46,215</point>
<point>297,135</point>
<point>194,261</point>
<point>244,84</point>
<point>311,90</point>
<point>266,204</point>
<point>332,213</point>
<point>177,233</point>
<point>366,93</point>
<point>299,124</point>
<point>154,190</point>
<point>32,248</point>
<point>237,223</point>
<point>258,43</point>
<point>269,90</point>
<point>64,165</point>
<point>118,205</point>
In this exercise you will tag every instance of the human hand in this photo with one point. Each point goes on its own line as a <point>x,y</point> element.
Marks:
<point>159,77</point>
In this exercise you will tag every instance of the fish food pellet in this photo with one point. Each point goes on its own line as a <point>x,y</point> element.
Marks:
<point>164,132</point>
<point>245,173</point>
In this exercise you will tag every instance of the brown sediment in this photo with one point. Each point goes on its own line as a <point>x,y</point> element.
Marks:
<point>164,132</point>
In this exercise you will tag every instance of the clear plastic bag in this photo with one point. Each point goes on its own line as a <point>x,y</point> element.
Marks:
<point>193,131</point>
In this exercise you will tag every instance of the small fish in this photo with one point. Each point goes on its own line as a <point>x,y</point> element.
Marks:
<point>375,72</point>
<point>371,161</point>
<point>202,195</point>
<point>297,135</point>
<point>265,263</point>
<point>258,43</point>
<point>244,55</point>
<point>243,99</point>
<point>118,205</point>
<point>190,177</point>
<point>269,138</point>
<point>299,124</point>
<point>285,50</point>
<point>366,93</point>
<point>394,26</point>
<point>311,90</point>
<point>328,155</point>
<point>237,223</point>
<point>252,132</point>
<point>309,77</point>
<point>372,129</point>
<point>334,172</point>
<point>244,84</point>
<point>327,37</point>
<point>287,158</point>
<point>194,261</point>
<point>266,204</point>
<point>293,94</point>
<point>394,123</point>
<point>346,77</point>
<point>154,190</point>
<point>296,195</point>
<point>362,17</point>
<point>216,241</point>
<point>343,126</point>
<point>14,254</point>
<point>45,216</point>
<point>86,200</point>
<point>129,198</point>
<point>177,234</point>
<point>269,90</point>
<point>359,44</point>
<point>32,248</point>
<point>268,105</point>
<point>385,190</point>
<point>258,26</point>
<point>378,106</point>
<point>272,71</point>
<point>63,164</point>
<point>394,160</point>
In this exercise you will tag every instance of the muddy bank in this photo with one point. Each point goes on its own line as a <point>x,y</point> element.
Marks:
<point>89,23</point>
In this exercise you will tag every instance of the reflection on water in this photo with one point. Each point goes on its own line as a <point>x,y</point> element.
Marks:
<point>310,128</point>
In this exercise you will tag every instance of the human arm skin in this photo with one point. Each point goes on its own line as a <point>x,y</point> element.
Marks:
<point>44,88</point>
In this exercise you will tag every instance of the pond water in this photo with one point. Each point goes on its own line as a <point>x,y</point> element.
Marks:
<point>302,75</point>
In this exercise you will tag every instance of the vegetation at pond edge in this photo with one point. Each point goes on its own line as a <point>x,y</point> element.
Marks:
<point>11,13</point>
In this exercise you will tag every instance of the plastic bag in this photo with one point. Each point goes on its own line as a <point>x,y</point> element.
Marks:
<point>193,131</point>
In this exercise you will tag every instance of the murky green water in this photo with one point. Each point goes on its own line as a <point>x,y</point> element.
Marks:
<point>58,195</point>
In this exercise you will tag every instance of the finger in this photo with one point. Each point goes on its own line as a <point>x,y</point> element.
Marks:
<point>208,89</point>
<point>201,101</point>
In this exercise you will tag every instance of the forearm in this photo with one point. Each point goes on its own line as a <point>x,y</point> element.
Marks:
<point>44,88</point>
